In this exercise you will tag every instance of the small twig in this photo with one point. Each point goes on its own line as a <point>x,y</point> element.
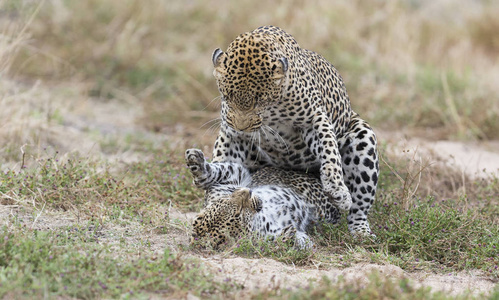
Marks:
<point>393,170</point>
<point>451,104</point>
<point>410,194</point>
<point>420,173</point>
<point>169,209</point>
<point>41,211</point>
<point>463,177</point>
<point>10,206</point>
<point>24,156</point>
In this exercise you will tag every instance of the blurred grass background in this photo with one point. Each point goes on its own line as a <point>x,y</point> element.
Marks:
<point>426,66</point>
<point>86,85</point>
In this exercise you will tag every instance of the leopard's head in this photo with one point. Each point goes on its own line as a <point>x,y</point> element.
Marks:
<point>228,217</point>
<point>251,75</point>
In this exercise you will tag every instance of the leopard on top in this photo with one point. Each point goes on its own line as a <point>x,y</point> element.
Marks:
<point>288,107</point>
<point>270,202</point>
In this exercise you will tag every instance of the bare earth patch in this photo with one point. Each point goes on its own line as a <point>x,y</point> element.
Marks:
<point>265,273</point>
<point>251,273</point>
<point>475,159</point>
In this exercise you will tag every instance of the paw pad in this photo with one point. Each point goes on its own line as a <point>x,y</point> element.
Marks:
<point>195,160</point>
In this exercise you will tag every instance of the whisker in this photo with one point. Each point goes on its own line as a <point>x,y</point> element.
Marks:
<point>279,137</point>
<point>259,146</point>
<point>211,121</point>
<point>213,127</point>
<point>266,136</point>
<point>252,141</point>
<point>216,98</point>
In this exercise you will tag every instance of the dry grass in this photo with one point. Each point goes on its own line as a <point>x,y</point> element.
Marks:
<point>414,175</point>
<point>96,77</point>
<point>406,64</point>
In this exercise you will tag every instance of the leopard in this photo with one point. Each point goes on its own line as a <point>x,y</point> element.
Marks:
<point>269,203</point>
<point>287,107</point>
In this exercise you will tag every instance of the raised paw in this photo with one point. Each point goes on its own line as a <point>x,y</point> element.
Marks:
<point>341,199</point>
<point>195,161</point>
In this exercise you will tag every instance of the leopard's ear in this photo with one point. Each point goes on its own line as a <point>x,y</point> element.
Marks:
<point>280,69</point>
<point>216,58</point>
<point>256,203</point>
<point>244,200</point>
<point>240,197</point>
<point>284,64</point>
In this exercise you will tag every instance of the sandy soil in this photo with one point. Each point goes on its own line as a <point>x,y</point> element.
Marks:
<point>253,273</point>
<point>472,158</point>
<point>267,273</point>
<point>476,159</point>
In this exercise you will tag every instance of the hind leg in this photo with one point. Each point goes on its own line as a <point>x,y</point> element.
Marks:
<point>300,238</point>
<point>358,148</point>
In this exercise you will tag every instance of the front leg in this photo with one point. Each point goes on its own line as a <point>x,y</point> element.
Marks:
<point>323,144</point>
<point>208,174</point>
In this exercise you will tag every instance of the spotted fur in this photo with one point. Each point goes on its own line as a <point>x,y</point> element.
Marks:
<point>287,107</point>
<point>271,202</point>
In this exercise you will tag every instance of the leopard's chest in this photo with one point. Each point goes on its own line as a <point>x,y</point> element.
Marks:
<point>286,146</point>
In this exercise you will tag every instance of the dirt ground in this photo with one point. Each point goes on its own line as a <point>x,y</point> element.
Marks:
<point>472,158</point>
<point>264,272</point>
<point>268,273</point>
<point>475,159</point>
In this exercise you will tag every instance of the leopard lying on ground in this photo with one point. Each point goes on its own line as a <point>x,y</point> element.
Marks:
<point>288,107</point>
<point>270,202</point>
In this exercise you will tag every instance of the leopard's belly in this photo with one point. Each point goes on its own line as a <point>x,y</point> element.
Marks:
<point>281,207</point>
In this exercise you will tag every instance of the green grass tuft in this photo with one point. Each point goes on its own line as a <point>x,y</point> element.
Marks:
<point>40,264</point>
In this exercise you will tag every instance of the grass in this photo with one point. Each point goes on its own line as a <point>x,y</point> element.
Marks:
<point>376,288</point>
<point>445,235</point>
<point>442,236</point>
<point>251,246</point>
<point>91,194</point>
<point>438,236</point>
<point>39,264</point>
<point>88,187</point>
<point>406,64</point>
<point>44,264</point>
